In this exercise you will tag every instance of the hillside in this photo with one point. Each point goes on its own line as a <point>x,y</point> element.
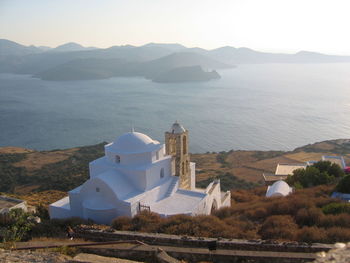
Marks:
<point>26,172</point>
<point>165,68</point>
<point>186,74</point>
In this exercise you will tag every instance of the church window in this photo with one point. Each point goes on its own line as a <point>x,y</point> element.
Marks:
<point>162,173</point>
<point>184,145</point>
<point>97,189</point>
<point>117,159</point>
<point>183,168</point>
<point>157,155</point>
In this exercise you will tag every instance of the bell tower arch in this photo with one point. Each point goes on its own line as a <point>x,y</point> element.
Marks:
<point>176,145</point>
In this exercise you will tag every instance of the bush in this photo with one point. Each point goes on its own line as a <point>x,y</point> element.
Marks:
<point>338,234</point>
<point>336,208</point>
<point>179,225</point>
<point>279,227</point>
<point>341,220</point>
<point>56,227</point>
<point>308,216</point>
<point>344,185</point>
<point>322,172</point>
<point>146,222</point>
<point>16,226</point>
<point>122,223</point>
<point>311,234</point>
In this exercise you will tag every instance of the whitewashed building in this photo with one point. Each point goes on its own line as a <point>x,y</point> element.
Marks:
<point>279,188</point>
<point>8,203</point>
<point>140,173</point>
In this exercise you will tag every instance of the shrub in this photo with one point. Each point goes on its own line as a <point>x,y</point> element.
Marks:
<point>278,227</point>
<point>341,220</point>
<point>311,234</point>
<point>122,223</point>
<point>336,208</point>
<point>338,234</point>
<point>344,185</point>
<point>16,227</point>
<point>179,225</point>
<point>308,216</point>
<point>322,172</point>
<point>146,221</point>
<point>56,227</point>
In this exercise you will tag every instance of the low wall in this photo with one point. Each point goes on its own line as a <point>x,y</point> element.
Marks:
<point>199,242</point>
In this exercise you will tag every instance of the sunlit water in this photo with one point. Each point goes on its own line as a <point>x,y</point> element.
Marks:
<point>263,107</point>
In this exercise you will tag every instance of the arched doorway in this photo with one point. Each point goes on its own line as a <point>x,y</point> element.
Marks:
<point>214,206</point>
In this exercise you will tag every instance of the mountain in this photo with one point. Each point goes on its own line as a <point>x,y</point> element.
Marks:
<point>174,47</point>
<point>10,48</point>
<point>249,56</point>
<point>88,69</point>
<point>180,59</point>
<point>69,47</point>
<point>186,74</point>
<point>73,61</point>
<point>98,68</point>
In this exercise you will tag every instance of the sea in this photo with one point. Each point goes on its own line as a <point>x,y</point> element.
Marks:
<point>252,107</point>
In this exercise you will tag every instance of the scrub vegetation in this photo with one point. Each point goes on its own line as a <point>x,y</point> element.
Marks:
<point>308,215</point>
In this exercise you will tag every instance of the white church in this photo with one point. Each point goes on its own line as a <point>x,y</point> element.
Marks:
<point>138,173</point>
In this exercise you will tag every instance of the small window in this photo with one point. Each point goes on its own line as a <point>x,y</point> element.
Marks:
<point>117,159</point>
<point>162,173</point>
<point>157,155</point>
<point>97,189</point>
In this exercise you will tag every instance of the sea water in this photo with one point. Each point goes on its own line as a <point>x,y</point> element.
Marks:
<point>252,107</point>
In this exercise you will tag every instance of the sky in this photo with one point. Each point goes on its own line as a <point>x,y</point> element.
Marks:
<point>266,25</point>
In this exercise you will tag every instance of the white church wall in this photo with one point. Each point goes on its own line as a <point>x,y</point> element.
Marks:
<point>75,202</point>
<point>96,188</point>
<point>60,209</point>
<point>100,216</point>
<point>214,197</point>
<point>157,193</point>
<point>99,166</point>
<point>158,154</point>
<point>193,175</point>
<point>136,159</point>
<point>153,175</point>
<point>136,177</point>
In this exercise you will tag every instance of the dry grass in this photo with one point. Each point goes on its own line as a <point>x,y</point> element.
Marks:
<point>43,198</point>
<point>36,160</point>
<point>12,150</point>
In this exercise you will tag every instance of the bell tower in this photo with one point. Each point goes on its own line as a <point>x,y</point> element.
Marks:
<point>176,145</point>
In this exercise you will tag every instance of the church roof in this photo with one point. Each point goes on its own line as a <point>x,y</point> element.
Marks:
<point>134,142</point>
<point>177,128</point>
<point>279,188</point>
<point>119,184</point>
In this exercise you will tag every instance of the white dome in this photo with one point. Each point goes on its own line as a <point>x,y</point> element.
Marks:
<point>177,128</point>
<point>134,142</point>
<point>279,188</point>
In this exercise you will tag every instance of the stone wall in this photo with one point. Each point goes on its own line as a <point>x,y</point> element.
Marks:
<point>199,242</point>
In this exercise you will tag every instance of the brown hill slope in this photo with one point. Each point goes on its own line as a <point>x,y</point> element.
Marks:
<point>24,171</point>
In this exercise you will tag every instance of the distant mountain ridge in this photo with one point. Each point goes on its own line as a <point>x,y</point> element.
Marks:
<point>71,61</point>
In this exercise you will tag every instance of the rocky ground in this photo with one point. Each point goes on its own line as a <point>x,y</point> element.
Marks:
<point>340,254</point>
<point>8,256</point>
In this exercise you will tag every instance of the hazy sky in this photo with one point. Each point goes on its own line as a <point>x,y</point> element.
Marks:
<point>268,25</point>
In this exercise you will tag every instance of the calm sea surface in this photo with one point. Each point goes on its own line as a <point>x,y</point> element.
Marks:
<point>262,107</point>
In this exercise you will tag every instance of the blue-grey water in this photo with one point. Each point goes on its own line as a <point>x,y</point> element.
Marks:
<point>262,107</point>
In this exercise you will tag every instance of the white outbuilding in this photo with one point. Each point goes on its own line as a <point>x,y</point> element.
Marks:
<point>138,173</point>
<point>279,188</point>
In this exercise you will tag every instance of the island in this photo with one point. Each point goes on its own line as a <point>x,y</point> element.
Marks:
<point>186,74</point>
